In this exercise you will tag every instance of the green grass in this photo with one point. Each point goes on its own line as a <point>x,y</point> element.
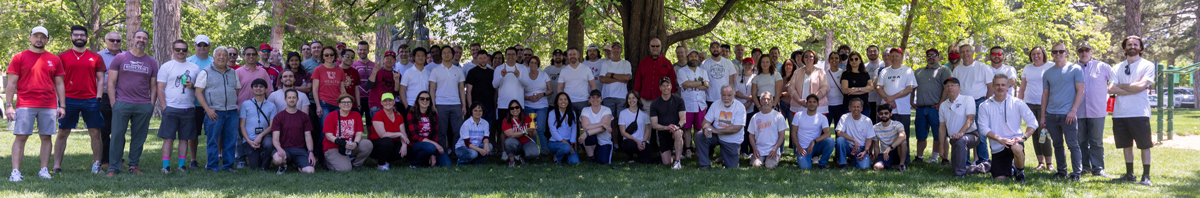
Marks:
<point>1175,175</point>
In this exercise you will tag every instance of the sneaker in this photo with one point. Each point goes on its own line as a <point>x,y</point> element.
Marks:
<point>195,165</point>
<point>384,167</point>
<point>822,167</point>
<point>945,162</point>
<point>1100,173</point>
<point>182,169</point>
<point>919,159</point>
<point>165,170</point>
<point>281,170</point>
<point>1074,178</point>
<point>503,155</point>
<point>1145,181</point>
<point>241,165</point>
<point>677,166</point>
<point>44,173</point>
<point>15,176</point>
<point>57,170</point>
<point>135,170</point>
<point>933,160</point>
<point>902,168</point>
<point>1059,175</point>
<point>1126,178</point>
<point>1019,176</point>
<point>512,163</point>
<point>520,160</point>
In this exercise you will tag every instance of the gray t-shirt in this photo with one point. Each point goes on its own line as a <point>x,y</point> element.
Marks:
<point>1060,81</point>
<point>929,85</point>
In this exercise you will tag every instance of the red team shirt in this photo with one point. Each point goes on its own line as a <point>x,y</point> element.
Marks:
<point>35,86</point>
<point>81,68</point>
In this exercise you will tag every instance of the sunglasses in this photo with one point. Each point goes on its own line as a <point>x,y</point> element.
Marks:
<point>268,51</point>
<point>997,54</point>
<point>329,55</point>
<point>202,45</point>
<point>855,59</point>
<point>251,54</point>
<point>931,55</point>
<point>423,98</point>
<point>514,108</point>
<point>232,54</point>
<point>181,50</point>
<point>654,45</point>
<point>1058,51</point>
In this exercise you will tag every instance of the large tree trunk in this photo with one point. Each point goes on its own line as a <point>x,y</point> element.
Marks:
<point>912,11</point>
<point>383,37</point>
<point>575,30</point>
<point>1133,17</point>
<point>166,28</point>
<point>277,25</point>
<point>133,20</point>
<point>643,20</point>
<point>93,24</point>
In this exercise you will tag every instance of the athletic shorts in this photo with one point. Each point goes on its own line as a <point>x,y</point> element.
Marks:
<point>1002,163</point>
<point>665,141</point>
<point>89,109</point>
<point>178,124</point>
<point>1127,131</point>
<point>893,158</point>
<point>695,120</point>
<point>297,156</point>
<point>28,117</point>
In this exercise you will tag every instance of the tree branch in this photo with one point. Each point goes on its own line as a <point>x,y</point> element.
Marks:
<point>686,34</point>
<point>684,14</point>
<point>79,10</point>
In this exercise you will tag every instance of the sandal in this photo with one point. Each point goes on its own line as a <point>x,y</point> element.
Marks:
<point>1041,165</point>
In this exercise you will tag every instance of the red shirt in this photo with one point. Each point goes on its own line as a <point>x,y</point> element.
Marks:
<point>271,71</point>
<point>421,127</point>
<point>649,71</point>
<point>392,125</point>
<point>508,124</point>
<point>235,66</point>
<point>81,68</point>
<point>345,127</point>
<point>331,80</point>
<point>35,85</point>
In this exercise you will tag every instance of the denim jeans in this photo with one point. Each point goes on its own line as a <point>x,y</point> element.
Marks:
<point>1091,144</point>
<point>562,151</point>
<point>1061,133</point>
<point>927,123</point>
<point>844,152</point>
<point>469,156</point>
<point>542,138</point>
<point>824,148</point>
<point>421,152</point>
<point>224,127</point>
<point>326,108</point>
<point>982,150</point>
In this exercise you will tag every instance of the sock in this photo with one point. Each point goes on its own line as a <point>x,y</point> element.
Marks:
<point>1129,168</point>
<point>182,160</point>
<point>1145,170</point>
<point>166,162</point>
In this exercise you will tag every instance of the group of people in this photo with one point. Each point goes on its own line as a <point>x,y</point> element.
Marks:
<point>426,106</point>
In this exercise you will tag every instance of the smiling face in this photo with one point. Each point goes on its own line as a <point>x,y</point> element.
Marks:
<point>288,78</point>
<point>423,100</point>
<point>291,98</point>
<point>388,105</point>
<point>562,101</point>
<point>477,112</point>
<point>139,40</point>
<point>180,51</point>
<point>345,103</point>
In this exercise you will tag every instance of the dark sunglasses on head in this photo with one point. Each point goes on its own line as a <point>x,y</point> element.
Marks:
<point>1058,51</point>
<point>114,40</point>
<point>181,49</point>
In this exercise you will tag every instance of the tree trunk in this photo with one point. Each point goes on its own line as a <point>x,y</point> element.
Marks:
<point>383,37</point>
<point>166,28</point>
<point>277,25</point>
<point>133,20</point>
<point>643,20</point>
<point>93,24</point>
<point>1133,17</point>
<point>912,11</point>
<point>575,30</point>
<point>828,43</point>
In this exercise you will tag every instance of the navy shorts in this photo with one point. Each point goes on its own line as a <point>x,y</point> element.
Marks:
<point>89,109</point>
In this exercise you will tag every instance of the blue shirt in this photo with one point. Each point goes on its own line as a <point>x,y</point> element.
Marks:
<point>249,112</point>
<point>310,65</point>
<point>1060,82</point>
<point>201,63</point>
<point>565,132</point>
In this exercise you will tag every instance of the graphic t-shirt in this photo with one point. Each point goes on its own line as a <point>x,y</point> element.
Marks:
<point>344,127</point>
<point>472,133</point>
<point>133,77</point>
<point>765,128</point>
<point>172,74</point>
<point>723,117</point>
<point>330,83</point>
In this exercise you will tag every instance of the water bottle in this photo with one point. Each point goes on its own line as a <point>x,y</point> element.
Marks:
<point>1045,136</point>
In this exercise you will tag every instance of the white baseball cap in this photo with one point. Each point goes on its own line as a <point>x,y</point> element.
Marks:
<point>40,29</point>
<point>201,39</point>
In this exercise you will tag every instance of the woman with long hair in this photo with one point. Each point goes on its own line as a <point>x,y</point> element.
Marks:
<point>303,82</point>
<point>563,124</point>
<point>517,132</point>
<point>422,134</point>
<point>537,89</point>
<point>767,80</point>
<point>632,125</point>
<point>856,82</point>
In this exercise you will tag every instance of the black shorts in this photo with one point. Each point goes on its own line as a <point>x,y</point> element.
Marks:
<point>893,158</point>
<point>297,156</point>
<point>1127,131</point>
<point>1002,163</point>
<point>663,140</point>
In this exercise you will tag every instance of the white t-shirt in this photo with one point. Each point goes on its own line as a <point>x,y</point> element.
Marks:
<point>178,96</point>
<point>1009,71</point>
<point>894,81</point>
<point>954,113</point>
<point>974,79</point>
<point>605,138</point>
<point>835,95</point>
<point>766,128</point>
<point>476,132</point>
<point>1138,104</point>
<point>860,129</point>
<point>400,67</point>
<point>509,87</point>
<point>575,82</point>
<point>447,80</point>
<point>693,99</point>
<point>723,117</point>
<point>766,83</point>
<point>743,87</point>
<point>643,121</point>
<point>718,73</point>
<point>873,70</point>
<point>616,89</point>
<point>468,66</point>
<point>534,87</point>
<point>808,128</point>
<point>278,97</point>
<point>415,82</point>
<point>1033,80</point>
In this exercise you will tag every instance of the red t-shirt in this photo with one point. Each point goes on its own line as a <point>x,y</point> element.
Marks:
<point>508,124</point>
<point>291,127</point>
<point>388,125</point>
<point>420,129</point>
<point>271,71</point>
<point>235,67</point>
<point>35,85</point>
<point>355,81</point>
<point>81,68</point>
<point>345,127</point>
<point>331,80</point>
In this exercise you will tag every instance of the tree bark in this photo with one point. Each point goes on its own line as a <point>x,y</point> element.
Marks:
<point>166,28</point>
<point>1133,17</point>
<point>912,11</point>
<point>575,30</point>
<point>133,20</point>
<point>383,37</point>
<point>643,20</point>
<point>277,25</point>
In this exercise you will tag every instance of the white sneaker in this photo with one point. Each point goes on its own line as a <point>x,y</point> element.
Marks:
<point>676,166</point>
<point>44,173</point>
<point>384,167</point>
<point>15,176</point>
<point>96,167</point>
<point>503,155</point>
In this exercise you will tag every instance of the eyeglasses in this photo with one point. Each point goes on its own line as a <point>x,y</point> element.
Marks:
<point>202,45</point>
<point>654,45</point>
<point>1058,51</point>
<point>931,55</point>
<point>78,35</point>
<point>346,102</point>
<point>114,40</point>
<point>423,98</point>
<point>997,54</point>
<point>181,50</point>
<point>251,54</point>
<point>330,55</point>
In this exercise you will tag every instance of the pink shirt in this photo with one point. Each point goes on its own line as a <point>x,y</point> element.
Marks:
<point>246,77</point>
<point>1095,89</point>
<point>364,71</point>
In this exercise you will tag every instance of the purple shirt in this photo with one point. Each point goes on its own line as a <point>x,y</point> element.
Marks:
<point>1095,89</point>
<point>364,71</point>
<point>133,77</point>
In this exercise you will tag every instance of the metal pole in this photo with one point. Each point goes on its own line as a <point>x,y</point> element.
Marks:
<point>1171,107</point>
<point>1161,106</point>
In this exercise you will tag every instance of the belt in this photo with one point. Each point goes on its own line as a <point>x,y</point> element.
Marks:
<point>924,106</point>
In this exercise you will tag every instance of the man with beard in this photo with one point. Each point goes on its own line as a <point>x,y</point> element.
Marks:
<point>33,76</point>
<point>175,98</point>
<point>557,62</point>
<point>694,82</point>
<point>129,80</point>
<point>725,120</point>
<point>1131,116</point>
<point>233,57</point>
<point>288,81</point>
<point>1062,94</point>
<point>720,71</point>
<point>84,70</point>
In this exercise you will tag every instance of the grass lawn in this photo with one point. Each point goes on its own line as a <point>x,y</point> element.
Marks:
<point>1175,174</point>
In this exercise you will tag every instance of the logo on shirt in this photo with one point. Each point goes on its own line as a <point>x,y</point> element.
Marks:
<point>762,125</point>
<point>135,66</point>
<point>725,119</point>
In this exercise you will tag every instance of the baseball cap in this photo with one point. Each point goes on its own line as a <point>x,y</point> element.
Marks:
<point>386,97</point>
<point>592,47</point>
<point>895,50</point>
<point>40,29</point>
<point>390,53</point>
<point>341,44</point>
<point>265,46</point>
<point>748,61</point>
<point>558,51</point>
<point>201,39</point>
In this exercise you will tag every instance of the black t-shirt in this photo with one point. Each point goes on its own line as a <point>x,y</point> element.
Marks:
<point>667,111</point>
<point>855,80</point>
<point>482,91</point>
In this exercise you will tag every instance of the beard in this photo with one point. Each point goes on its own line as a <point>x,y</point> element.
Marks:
<point>79,42</point>
<point>693,63</point>
<point>1132,52</point>
<point>141,45</point>
<point>42,46</point>
<point>716,54</point>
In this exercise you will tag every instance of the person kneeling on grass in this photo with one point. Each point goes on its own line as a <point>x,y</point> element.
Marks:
<point>472,146</point>
<point>766,133</point>
<point>597,136</point>
<point>1000,117</point>
<point>254,117</point>
<point>343,137</point>
<point>810,131</point>
<point>388,137</point>
<point>422,134</point>
<point>891,138</point>
<point>292,140</point>
<point>517,135</point>
<point>633,124</point>
<point>725,120</point>
<point>563,123</point>
<point>855,137</point>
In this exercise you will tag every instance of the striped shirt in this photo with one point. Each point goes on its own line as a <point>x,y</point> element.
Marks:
<point>888,134</point>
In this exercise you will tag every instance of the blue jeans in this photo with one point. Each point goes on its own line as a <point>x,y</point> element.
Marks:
<point>89,109</point>
<point>326,108</point>
<point>542,138</point>
<point>982,151</point>
<point>824,148</point>
<point>927,122</point>
<point>468,156</point>
<point>421,152</point>
<point>225,128</point>
<point>843,149</point>
<point>562,151</point>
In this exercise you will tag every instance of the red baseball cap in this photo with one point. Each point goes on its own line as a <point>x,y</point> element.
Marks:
<point>895,50</point>
<point>748,61</point>
<point>390,53</point>
<point>265,46</point>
